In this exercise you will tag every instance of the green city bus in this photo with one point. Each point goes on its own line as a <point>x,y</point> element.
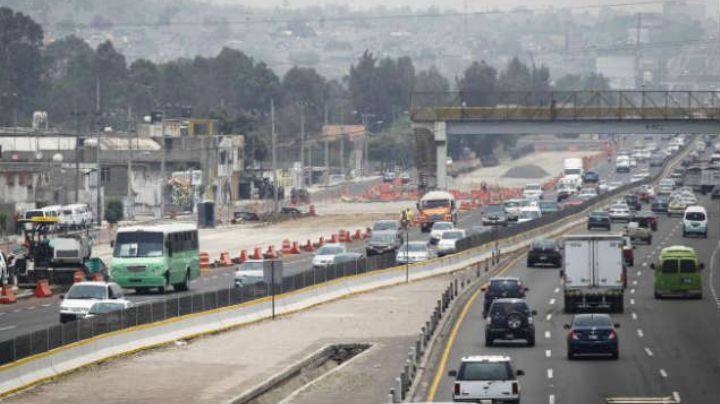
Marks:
<point>157,256</point>
<point>678,273</point>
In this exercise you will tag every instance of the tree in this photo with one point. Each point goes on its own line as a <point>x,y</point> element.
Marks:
<point>515,77</point>
<point>478,84</point>
<point>114,212</point>
<point>21,67</point>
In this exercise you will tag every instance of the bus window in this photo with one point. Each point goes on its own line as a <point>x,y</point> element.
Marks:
<point>670,267</point>
<point>687,266</point>
<point>139,244</point>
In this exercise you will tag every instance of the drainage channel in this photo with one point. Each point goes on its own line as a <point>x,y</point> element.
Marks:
<point>291,380</point>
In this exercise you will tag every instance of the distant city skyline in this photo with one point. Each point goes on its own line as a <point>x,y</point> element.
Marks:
<point>472,5</point>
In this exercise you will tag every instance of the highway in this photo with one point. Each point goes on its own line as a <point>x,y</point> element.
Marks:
<point>31,314</point>
<point>667,347</point>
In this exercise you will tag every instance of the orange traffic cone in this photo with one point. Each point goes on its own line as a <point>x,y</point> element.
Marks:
<point>225,260</point>
<point>295,249</point>
<point>98,277</point>
<point>256,255</point>
<point>334,238</point>
<point>204,261</point>
<point>42,288</point>
<point>358,235</point>
<point>243,256</point>
<point>78,276</point>
<point>271,254</point>
<point>309,246</point>
<point>286,247</point>
<point>7,296</point>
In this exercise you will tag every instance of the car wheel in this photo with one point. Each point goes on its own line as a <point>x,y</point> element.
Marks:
<point>531,340</point>
<point>570,354</point>
<point>657,295</point>
<point>684,234</point>
<point>705,235</point>
<point>185,284</point>
<point>529,264</point>
<point>488,340</point>
<point>649,240</point>
<point>631,263</point>
<point>615,355</point>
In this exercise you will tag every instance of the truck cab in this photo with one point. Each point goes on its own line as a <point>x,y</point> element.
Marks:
<point>436,206</point>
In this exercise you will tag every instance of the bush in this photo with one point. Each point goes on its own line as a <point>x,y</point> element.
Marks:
<point>114,212</point>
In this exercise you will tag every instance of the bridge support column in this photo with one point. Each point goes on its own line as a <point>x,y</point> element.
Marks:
<point>440,136</point>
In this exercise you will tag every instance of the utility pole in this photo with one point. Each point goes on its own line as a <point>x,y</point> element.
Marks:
<point>77,156</point>
<point>327,151</point>
<point>638,75</point>
<point>276,183</point>
<point>97,151</point>
<point>130,199</point>
<point>302,147</point>
<point>366,160</point>
<point>162,164</point>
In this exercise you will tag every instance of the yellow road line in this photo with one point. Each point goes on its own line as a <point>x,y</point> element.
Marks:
<point>453,334</point>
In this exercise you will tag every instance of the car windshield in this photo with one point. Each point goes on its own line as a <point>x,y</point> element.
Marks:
<point>388,225</point>
<point>34,213</point>
<point>500,308</point>
<point>442,226</point>
<point>452,235</point>
<point>533,187</point>
<point>436,203</point>
<point>494,210</point>
<point>252,266</point>
<point>330,250</point>
<point>592,321</point>
<point>672,266</point>
<point>381,238</point>
<point>572,171</point>
<point>529,214</point>
<point>105,307</point>
<point>511,204</point>
<point>138,244</point>
<point>485,371</point>
<point>598,215</point>
<point>414,247</point>
<point>544,244</point>
<point>548,206</point>
<point>87,292</point>
<point>504,285</point>
<point>695,216</point>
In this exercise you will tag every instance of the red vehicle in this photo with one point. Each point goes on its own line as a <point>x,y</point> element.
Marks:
<point>628,252</point>
<point>572,201</point>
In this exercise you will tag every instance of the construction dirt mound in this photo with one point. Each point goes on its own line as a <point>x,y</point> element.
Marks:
<point>526,171</point>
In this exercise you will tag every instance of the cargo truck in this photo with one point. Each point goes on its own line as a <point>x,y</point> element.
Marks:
<point>436,206</point>
<point>594,275</point>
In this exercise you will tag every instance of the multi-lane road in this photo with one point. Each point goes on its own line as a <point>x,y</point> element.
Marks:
<point>33,314</point>
<point>667,347</point>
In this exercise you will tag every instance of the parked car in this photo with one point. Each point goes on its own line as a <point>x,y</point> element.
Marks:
<point>593,334</point>
<point>414,251</point>
<point>510,319</point>
<point>544,251</point>
<point>80,297</point>
<point>448,242</point>
<point>486,379</point>
<point>502,287</point>
<point>381,242</point>
<point>325,255</point>
<point>600,220</point>
<point>494,215</point>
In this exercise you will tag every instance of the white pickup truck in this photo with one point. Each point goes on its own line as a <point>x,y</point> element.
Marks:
<point>488,378</point>
<point>594,275</point>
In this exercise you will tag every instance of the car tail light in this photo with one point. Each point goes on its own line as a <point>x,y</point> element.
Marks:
<point>515,388</point>
<point>457,389</point>
<point>612,335</point>
<point>573,336</point>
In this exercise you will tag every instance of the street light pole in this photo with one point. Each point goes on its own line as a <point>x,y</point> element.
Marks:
<point>407,254</point>
<point>302,147</point>
<point>274,156</point>
<point>162,166</point>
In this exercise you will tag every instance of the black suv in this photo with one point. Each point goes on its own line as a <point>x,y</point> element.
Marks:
<point>505,287</point>
<point>599,220</point>
<point>382,242</point>
<point>633,202</point>
<point>544,251</point>
<point>510,319</point>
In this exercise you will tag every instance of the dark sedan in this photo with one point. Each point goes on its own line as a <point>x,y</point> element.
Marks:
<point>494,215</point>
<point>659,205</point>
<point>647,220</point>
<point>633,202</point>
<point>590,177</point>
<point>505,287</point>
<point>592,334</point>
<point>599,220</point>
<point>545,252</point>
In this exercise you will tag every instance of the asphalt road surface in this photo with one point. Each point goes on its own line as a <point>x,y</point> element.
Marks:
<point>667,347</point>
<point>33,314</point>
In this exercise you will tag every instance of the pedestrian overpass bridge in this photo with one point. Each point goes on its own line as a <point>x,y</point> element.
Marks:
<point>435,116</point>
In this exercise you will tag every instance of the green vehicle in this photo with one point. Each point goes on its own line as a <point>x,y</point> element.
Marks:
<point>146,257</point>
<point>678,273</point>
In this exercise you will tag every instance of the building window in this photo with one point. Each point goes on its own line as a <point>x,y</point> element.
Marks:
<point>105,174</point>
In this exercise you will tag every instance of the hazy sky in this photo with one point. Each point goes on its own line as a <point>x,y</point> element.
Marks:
<point>473,5</point>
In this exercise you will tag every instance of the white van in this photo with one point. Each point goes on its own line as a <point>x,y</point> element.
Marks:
<point>56,211</point>
<point>81,215</point>
<point>695,221</point>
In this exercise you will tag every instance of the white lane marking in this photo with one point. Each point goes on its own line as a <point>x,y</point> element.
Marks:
<point>639,273</point>
<point>712,271</point>
<point>2,314</point>
<point>31,308</point>
<point>676,396</point>
<point>46,305</point>
<point>663,373</point>
<point>551,399</point>
<point>644,264</point>
<point>640,333</point>
<point>548,353</point>
<point>634,316</point>
<point>227,274</point>
<point>634,283</point>
<point>557,290</point>
<point>632,301</point>
<point>632,291</point>
<point>648,351</point>
<point>552,301</point>
<point>550,373</point>
<point>547,334</point>
<point>16,311</point>
<point>214,277</point>
<point>548,317</point>
<point>7,328</point>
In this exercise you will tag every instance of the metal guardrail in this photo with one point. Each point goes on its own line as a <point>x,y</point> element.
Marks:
<point>566,105</point>
<point>24,346</point>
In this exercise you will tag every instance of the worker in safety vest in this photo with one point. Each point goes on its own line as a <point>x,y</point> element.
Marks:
<point>409,215</point>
